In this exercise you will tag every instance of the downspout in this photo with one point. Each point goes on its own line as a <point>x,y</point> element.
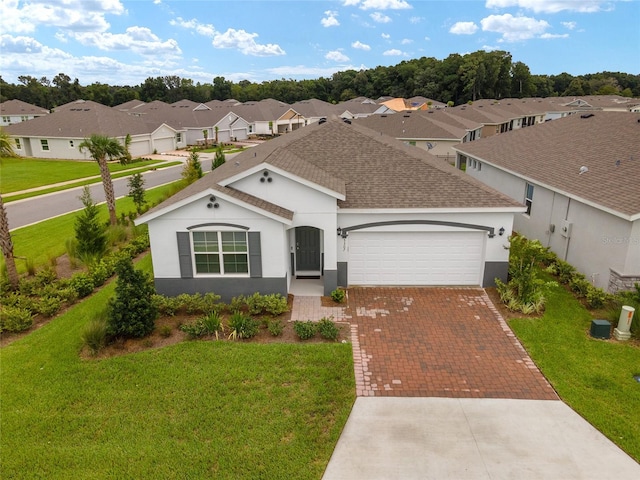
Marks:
<point>566,246</point>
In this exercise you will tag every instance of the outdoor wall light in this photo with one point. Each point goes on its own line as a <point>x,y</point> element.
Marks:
<point>501,231</point>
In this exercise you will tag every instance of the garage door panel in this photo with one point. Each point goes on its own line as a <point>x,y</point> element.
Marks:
<point>415,258</point>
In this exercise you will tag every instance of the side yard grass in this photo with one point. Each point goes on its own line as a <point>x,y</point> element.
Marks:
<point>198,409</point>
<point>25,173</point>
<point>45,240</point>
<point>594,377</point>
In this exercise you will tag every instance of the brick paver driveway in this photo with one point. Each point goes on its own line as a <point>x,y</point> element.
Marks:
<point>437,342</point>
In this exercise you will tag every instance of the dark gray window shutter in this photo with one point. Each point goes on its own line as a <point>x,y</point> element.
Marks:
<point>184,254</point>
<point>255,255</point>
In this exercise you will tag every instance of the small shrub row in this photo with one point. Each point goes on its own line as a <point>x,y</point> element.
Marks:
<point>188,303</point>
<point>326,327</point>
<point>15,319</point>
<point>338,295</point>
<point>256,304</point>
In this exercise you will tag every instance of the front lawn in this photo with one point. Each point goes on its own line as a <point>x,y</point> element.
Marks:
<point>25,173</point>
<point>594,377</point>
<point>198,409</point>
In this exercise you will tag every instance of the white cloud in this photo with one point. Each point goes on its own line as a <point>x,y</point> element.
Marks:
<point>554,35</point>
<point>427,39</point>
<point>463,28</point>
<point>336,56</point>
<point>330,20</point>
<point>569,25</point>
<point>415,20</point>
<point>360,46</point>
<point>350,3</point>
<point>406,41</point>
<point>380,17</point>
<point>139,40</point>
<point>394,52</point>
<point>245,43</point>
<point>76,15</point>
<point>384,5</point>
<point>514,29</point>
<point>553,6</point>
<point>386,36</point>
<point>205,29</point>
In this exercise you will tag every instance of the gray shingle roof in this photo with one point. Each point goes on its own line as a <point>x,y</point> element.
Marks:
<point>607,143</point>
<point>18,107</point>
<point>373,170</point>
<point>81,119</point>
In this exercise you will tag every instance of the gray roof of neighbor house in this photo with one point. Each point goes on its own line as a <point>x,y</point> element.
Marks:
<point>372,171</point>
<point>130,105</point>
<point>413,125</point>
<point>18,107</point>
<point>183,114</point>
<point>552,154</point>
<point>81,119</point>
<point>314,108</point>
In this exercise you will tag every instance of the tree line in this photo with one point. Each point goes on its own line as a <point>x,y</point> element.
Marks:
<point>457,79</point>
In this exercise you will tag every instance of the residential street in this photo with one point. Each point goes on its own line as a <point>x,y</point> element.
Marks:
<point>36,209</point>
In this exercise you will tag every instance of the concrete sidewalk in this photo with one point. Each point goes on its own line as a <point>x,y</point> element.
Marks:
<point>475,439</point>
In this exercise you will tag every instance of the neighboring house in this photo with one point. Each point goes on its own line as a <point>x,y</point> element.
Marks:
<point>191,120</point>
<point>268,117</point>
<point>361,107</point>
<point>16,111</point>
<point>313,110</point>
<point>579,178</point>
<point>58,134</point>
<point>419,129</point>
<point>332,200</point>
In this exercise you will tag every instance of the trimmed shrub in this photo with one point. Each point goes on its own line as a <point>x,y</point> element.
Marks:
<point>82,283</point>
<point>242,326</point>
<point>131,313</point>
<point>275,326</point>
<point>305,330</point>
<point>15,319</point>
<point>597,297</point>
<point>48,306</point>
<point>328,329</point>
<point>580,285</point>
<point>338,295</point>
<point>274,304</point>
<point>166,305</point>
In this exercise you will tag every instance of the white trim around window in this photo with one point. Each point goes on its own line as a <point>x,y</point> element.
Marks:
<point>217,253</point>
<point>528,198</point>
<point>44,144</point>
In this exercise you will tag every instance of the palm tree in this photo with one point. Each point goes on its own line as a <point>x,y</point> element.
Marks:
<point>7,247</point>
<point>6,146</point>
<point>103,148</point>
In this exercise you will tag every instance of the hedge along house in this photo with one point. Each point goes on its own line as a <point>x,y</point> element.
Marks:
<point>336,201</point>
<point>579,177</point>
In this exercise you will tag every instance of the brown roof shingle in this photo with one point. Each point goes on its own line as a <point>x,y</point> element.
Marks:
<point>607,143</point>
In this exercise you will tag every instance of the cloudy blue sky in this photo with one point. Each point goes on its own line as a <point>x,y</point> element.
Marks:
<point>123,42</point>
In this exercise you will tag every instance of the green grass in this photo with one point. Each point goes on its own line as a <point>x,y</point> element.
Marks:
<point>25,173</point>
<point>81,183</point>
<point>594,377</point>
<point>193,410</point>
<point>45,240</point>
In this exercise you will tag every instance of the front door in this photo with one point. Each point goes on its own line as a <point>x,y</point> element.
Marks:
<point>307,249</point>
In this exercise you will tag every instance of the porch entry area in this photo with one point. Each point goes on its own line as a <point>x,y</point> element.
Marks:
<point>308,258</point>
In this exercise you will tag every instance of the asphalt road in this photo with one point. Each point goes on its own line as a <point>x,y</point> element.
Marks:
<point>36,209</point>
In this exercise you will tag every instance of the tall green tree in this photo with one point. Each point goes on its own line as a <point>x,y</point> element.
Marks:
<point>6,145</point>
<point>192,170</point>
<point>136,191</point>
<point>91,234</point>
<point>6,244</point>
<point>219,158</point>
<point>103,149</point>
<point>131,313</point>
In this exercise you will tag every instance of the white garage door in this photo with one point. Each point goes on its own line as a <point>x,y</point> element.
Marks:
<point>164,144</point>
<point>415,258</point>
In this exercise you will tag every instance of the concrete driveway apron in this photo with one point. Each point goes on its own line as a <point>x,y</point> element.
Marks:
<point>462,399</point>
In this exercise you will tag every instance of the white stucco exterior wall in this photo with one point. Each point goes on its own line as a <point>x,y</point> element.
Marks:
<point>164,245</point>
